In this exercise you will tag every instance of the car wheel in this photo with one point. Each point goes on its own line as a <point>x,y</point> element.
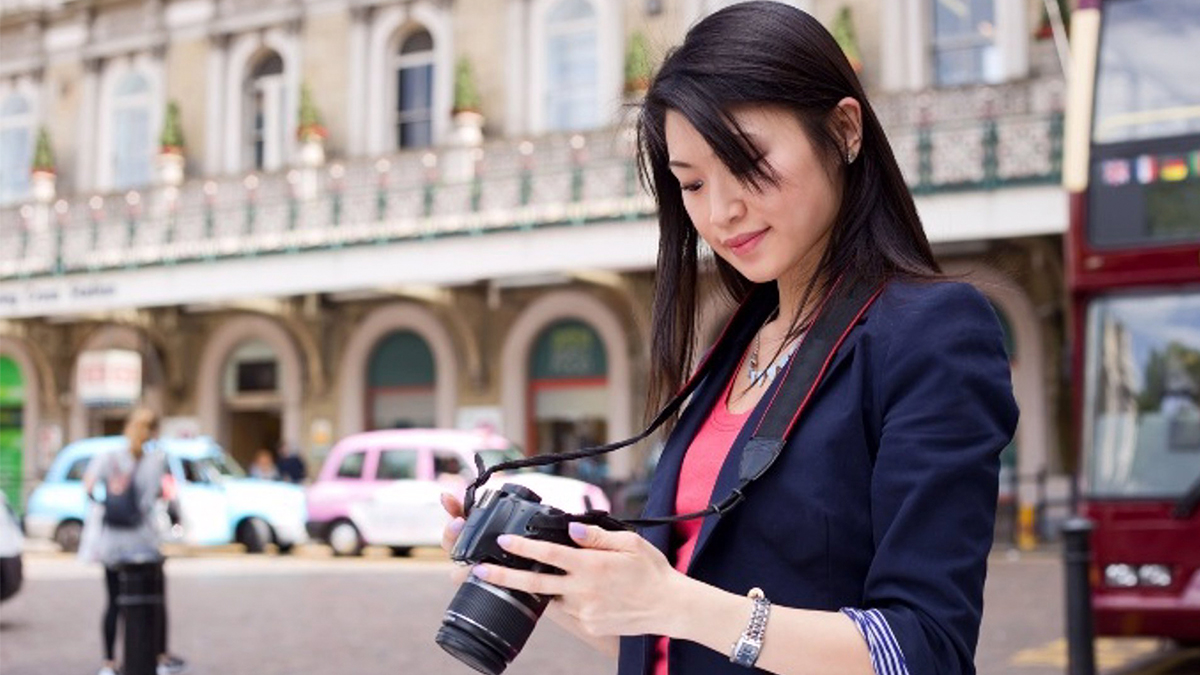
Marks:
<point>67,535</point>
<point>254,534</point>
<point>344,538</point>
<point>401,551</point>
<point>284,549</point>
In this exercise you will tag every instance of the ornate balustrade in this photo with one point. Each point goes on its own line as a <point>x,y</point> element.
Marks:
<point>560,180</point>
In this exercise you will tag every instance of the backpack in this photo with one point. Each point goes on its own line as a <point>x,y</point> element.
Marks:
<point>123,509</point>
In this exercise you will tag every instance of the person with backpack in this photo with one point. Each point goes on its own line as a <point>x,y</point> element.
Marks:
<point>134,478</point>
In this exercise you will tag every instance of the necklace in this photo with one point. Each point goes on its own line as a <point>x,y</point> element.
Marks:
<point>767,375</point>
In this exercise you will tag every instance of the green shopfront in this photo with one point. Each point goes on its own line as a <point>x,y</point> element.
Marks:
<point>12,430</point>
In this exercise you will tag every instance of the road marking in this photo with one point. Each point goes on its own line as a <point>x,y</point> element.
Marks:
<point>1110,653</point>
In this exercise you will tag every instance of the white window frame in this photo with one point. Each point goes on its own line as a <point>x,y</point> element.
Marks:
<point>526,58</point>
<point>573,28</point>
<point>149,68</point>
<point>243,53</point>
<point>374,107</point>
<point>24,121</point>
<point>120,103</point>
<point>273,89</point>
<point>907,43</point>
<point>414,60</point>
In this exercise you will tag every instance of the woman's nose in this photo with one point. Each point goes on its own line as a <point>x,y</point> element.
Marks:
<point>726,204</point>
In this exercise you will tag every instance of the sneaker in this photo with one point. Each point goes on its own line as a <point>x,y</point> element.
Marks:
<point>172,665</point>
<point>108,670</point>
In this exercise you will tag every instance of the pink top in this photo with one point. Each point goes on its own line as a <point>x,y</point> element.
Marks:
<point>697,476</point>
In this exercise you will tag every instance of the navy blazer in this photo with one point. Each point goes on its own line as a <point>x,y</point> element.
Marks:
<point>883,498</point>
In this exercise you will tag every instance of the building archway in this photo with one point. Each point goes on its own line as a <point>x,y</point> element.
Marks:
<point>107,418</point>
<point>519,347</point>
<point>377,326</point>
<point>238,383</point>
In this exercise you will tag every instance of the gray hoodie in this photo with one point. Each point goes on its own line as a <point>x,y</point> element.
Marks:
<point>119,545</point>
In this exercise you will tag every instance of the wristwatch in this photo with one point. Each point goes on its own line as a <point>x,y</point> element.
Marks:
<point>745,650</point>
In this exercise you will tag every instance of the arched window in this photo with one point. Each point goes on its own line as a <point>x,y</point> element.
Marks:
<point>131,133</point>
<point>400,383</point>
<point>265,106</point>
<point>572,94</point>
<point>414,91</point>
<point>16,147</point>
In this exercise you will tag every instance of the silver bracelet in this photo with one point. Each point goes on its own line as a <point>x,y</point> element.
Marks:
<point>745,650</point>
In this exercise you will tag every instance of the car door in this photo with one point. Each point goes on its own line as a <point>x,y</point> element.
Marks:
<point>404,509</point>
<point>203,504</point>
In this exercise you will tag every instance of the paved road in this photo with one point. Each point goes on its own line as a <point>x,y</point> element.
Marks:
<point>309,614</point>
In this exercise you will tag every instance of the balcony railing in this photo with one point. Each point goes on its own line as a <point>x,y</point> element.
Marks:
<point>558,181</point>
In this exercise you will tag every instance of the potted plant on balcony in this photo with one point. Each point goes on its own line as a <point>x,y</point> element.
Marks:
<point>310,131</point>
<point>467,113</point>
<point>42,172</point>
<point>638,69</point>
<point>843,33</point>
<point>170,148</point>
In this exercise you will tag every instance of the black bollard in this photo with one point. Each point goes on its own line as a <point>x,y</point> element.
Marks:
<point>1077,558</point>
<point>140,601</point>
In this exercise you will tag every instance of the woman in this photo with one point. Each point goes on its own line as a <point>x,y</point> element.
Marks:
<point>133,479</point>
<point>865,543</point>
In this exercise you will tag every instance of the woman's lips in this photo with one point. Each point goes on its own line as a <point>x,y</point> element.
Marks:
<point>745,243</point>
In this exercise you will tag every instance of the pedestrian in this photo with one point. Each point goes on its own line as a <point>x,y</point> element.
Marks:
<point>263,466</point>
<point>290,464</point>
<point>133,477</point>
<point>863,548</point>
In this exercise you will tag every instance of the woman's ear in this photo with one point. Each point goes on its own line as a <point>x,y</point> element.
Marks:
<point>847,124</point>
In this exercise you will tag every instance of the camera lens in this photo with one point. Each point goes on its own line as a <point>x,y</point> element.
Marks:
<point>486,626</point>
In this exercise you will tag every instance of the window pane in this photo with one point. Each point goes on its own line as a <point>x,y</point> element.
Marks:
<point>397,465</point>
<point>1145,85</point>
<point>15,159</point>
<point>448,463</point>
<point>77,469</point>
<point>352,465</point>
<point>572,80</point>
<point>420,41</point>
<point>416,88</point>
<point>570,10</point>
<point>964,50</point>
<point>1143,395</point>
<point>416,135</point>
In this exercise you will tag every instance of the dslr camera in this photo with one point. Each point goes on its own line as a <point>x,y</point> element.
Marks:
<point>486,626</point>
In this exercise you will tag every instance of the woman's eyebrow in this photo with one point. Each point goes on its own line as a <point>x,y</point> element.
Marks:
<point>680,164</point>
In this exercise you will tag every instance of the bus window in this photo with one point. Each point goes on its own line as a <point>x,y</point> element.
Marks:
<point>1143,395</point>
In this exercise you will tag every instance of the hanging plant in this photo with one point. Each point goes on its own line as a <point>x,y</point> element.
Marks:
<point>43,153</point>
<point>310,127</point>
<point>170,141</point>
<point>638,69</point>
<point>466,94</point>
<point>843,33</point>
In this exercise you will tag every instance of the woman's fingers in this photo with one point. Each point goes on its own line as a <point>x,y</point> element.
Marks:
<point>452,505</point>
<point>451,532</point>
<point>521,580</point>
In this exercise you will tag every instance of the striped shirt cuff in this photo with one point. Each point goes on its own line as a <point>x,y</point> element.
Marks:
<point>886,657</point>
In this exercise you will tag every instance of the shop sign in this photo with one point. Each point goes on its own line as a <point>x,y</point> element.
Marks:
<point>110,377</point>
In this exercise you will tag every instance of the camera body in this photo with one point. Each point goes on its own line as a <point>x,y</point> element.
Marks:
<point>485,626</point>
<point>516,510</point>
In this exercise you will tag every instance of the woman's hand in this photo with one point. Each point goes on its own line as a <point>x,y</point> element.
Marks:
<point>615,584</point>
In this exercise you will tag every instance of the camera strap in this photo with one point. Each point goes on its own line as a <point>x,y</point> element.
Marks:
<point>842,308</point>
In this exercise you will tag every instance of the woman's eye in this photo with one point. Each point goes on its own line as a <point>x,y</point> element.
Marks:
<point>691,187</point>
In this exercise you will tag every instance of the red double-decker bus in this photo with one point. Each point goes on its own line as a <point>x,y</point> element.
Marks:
<point>1132,170</point>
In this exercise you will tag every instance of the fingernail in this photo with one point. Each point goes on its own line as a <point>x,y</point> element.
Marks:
<point>479,571</point>
<point>577,530</point>
<point>504,541</point>
<point>456,525</point>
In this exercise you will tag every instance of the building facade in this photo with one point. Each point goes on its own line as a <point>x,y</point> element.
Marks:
<point>338,227</point>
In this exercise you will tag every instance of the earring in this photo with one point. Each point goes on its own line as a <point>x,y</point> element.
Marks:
<point>850,156</point>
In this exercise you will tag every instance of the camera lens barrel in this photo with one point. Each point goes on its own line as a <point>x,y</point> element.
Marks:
<point>486,626</point>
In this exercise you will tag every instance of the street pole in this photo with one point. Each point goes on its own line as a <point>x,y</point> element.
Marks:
<point>140,601</point>
<point>1077,559</point>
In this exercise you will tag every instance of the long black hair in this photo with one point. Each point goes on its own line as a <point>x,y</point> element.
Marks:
<point>767,53</point>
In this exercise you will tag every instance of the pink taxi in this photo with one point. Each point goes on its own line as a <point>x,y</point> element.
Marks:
<point>384,487</point>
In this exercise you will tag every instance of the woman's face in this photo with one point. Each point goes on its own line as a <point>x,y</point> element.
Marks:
<point>778,232</point>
